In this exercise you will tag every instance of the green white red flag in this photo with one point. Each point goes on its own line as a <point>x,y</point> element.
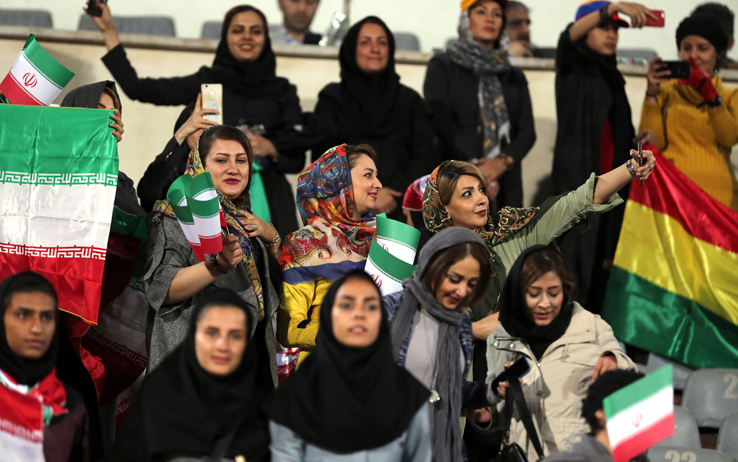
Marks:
<point>196,206</point>
<point>36,78</point>
<point>640,415</point>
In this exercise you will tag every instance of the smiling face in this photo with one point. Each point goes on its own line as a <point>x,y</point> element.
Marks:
<point>468,205</point>
<point>228,164</point>
<point>485,22</point>
<point>603,39</point>
<point>372,48</point>
<point>366,185</point>
<point>699,49</point>
<point>30,322</point>
<point>246,36</point>
<point>457,286</point>
<point>544,299</point>
<point>356,313</point>
<point>220,339</point>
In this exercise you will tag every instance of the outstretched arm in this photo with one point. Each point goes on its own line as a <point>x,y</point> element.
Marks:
<point>612,181</point>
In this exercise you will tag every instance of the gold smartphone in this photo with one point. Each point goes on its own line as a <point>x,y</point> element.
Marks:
<point>212,98</point>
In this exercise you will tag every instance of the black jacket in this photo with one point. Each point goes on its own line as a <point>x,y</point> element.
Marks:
<point>451,92</point>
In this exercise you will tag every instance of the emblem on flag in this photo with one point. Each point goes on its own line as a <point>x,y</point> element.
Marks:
<point>29,80</point>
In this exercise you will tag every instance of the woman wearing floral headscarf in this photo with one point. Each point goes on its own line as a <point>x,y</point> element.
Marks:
<point>480,103</point>
<point>176,280</point>
<point>335,196</point>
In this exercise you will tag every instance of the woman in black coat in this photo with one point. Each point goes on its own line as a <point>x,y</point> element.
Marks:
<point>264,106</point>
<point>370,106</point>
<point>497,131</point>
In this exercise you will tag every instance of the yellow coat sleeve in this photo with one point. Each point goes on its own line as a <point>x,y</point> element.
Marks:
<point>298,317</point>
<point>652,118</point>
<point>723,121</point>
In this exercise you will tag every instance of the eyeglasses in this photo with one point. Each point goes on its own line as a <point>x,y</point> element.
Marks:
<point>518,22</point>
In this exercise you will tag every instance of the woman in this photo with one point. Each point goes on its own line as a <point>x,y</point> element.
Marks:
<point>202,403</point>
<point>695,120</point>
<point>349,401</point>
<point>595,129</point>
<point>176,280</point>
<point>566,346</point>
<point>335,195</point>
<point>370,106</point>
<point>431,335</point>
<point>28,383</point>
<point>480,103</point>
<point>255,99</point>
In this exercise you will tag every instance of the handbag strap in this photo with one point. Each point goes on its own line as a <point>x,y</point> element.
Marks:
<point>519,399</point>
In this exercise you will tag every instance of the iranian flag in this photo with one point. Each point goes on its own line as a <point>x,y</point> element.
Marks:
<point>640,415</point>
<point>58,177</point>
<point>36,78</point>
<point>21,427</point>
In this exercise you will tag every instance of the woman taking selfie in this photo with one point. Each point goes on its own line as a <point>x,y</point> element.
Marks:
<point>202,402</point>
<point>566,346</point>
<point>349,401</point>
<point>335,196</point>
<point>695,120</point>
<point>176,280</point>
<point>480,103</point>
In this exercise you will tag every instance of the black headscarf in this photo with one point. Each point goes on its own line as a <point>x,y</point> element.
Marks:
<point>26,371</point>
<point>88,96</point>
<point>248,78</point>
<point>514,319</point>
<point>182,410</point>
<point>346,399</point>
<point>372,97</point>
<point>706,26</point>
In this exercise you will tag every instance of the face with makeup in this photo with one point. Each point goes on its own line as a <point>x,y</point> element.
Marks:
<point>458,284</point>
<point>246,36</point>
<point>365,183</point>
<point>544,298</point>
<point>485,22</point>
<point>701,50</point>
<point>228,165</point>
<point>357,313</point>
<point>603,39</point>
<point>468,206</point>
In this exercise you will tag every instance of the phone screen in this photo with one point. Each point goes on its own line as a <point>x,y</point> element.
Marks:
<point>678,69</point>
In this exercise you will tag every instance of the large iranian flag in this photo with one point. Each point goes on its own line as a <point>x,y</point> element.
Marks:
<point>58,176</point>
<point>36,78</point>
<point>640,415</point>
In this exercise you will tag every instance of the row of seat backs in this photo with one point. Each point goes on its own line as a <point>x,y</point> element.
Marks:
<point>687,434</point>
<point>682,454</point>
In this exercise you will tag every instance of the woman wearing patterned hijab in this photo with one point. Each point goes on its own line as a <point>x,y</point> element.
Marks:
<point>480,103</point>
<point>176,280</point>
<point>335,196</point>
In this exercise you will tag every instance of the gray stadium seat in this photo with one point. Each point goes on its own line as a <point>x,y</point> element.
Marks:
<point>211,30</point>
<point>728,437</point>
<point>686,434</point>
<point>406,41</point>
<point>151,25</point>
<point>710,395</point>
<point>30,18</point>
<point>637,55</point>
<point>675,453</point>
<point>680,372</point>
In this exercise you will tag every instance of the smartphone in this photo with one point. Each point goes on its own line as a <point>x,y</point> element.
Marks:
<point>212,98</point>
<point>517,370</point>
<point>93,9</point>
<point>659,21</point>
<point>679,69</point>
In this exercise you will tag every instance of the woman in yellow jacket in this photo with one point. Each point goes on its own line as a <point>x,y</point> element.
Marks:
<point>695,120</point>
<point>335,196</point>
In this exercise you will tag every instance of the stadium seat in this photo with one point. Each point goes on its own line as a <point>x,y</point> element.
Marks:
<point>728,437</point>
<point>406,41</point>
<point>211,30</point>
<point>710,395</point>
<point>680,371</point>
<point>677,454</point>
<point>151,25</point>
<point>636,55</point>
<point>686,434</point>
<point>30,18</point>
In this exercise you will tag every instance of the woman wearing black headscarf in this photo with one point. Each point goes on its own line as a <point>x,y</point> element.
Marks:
<point>349,401</point>
<point>264,106</point>
<point>566,346</point>
<point>33,401</point>
<point>370,106</point>
<point>203,400</point>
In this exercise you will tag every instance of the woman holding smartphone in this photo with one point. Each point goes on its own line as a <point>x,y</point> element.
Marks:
<point>264,106</point>
<point>695,120</point>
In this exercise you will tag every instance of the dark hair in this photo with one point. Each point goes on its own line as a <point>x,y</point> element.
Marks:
<point>220,304</point>
<point>224,132</point>
<point>29,282</point>
<point>513,5</point>
<point>330,296</point>
<point>605,385</point>
<point>242,9</point>
<point>719,11</point>
<point>440,263</point>
<point>353,153</point>
<point>540,262</point>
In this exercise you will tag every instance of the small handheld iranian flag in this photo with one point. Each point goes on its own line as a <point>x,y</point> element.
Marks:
<point>392,254</point>
<point>640,415</point>
<point>196,206</point>
<point>36,78</point>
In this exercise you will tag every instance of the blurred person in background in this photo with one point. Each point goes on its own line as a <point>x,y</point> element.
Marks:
<point>727,19</point>
<point>481,106</point>
<point>295,27</point>
<point>518,30</point>
<point>695,120</point>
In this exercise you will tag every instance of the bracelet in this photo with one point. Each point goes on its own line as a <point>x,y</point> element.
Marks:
<point>509,161</point>
<point>276,240</point>
<point>629,166</point>
<point>214,262</point>
<point>604,14</point>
